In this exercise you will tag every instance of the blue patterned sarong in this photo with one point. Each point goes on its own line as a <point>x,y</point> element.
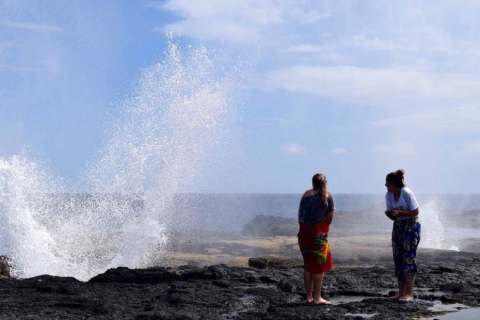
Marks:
<point>405,240</point>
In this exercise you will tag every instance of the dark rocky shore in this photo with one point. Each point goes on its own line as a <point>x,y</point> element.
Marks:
<point>192,283</point>
<point>228,292</point>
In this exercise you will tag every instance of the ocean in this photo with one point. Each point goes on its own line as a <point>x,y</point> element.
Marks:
<point>230,212</point>
<point>84,234</point>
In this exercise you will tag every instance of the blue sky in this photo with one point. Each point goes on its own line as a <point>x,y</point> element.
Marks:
<point>352,89</point>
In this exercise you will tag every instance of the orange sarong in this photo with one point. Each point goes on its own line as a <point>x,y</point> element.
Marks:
<point>313,242</point>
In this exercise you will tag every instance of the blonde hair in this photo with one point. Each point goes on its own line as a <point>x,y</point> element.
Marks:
<point>319,184</point>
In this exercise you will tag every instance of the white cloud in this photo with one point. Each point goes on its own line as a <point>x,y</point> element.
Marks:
<point>339,150</point>
<point>307,15</point>
<point>246,21</point>
<point>416,43</point>
<point>371,43</point>
<point>214,30</point>
<point>33,27</point>
<point>381,87</point>
<point>307,53</point>
<point>399,148</point>
<point>215,19</point>
<point>294,149</point>
<point>415,39</point>
<point>472,148</point>
<point>309,48</point>
<point>455,119</point>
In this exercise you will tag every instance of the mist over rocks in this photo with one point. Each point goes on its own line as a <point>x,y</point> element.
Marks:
<point>269,226</point>
<point>273,237</point>
<point>229,292</point>
<point>344,222</point>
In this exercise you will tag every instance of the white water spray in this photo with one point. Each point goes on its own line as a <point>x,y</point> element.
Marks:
<point>23,224</point>
<point>156,146</point>
<point>433,229</point>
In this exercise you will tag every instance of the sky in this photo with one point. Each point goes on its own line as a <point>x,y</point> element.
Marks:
<point>351,89</point>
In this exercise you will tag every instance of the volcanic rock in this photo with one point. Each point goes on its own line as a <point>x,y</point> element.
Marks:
<point>228,292</point>
<point>5,267</point>
<point>274,263</point>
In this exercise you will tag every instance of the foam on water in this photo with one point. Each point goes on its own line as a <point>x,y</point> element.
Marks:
<point>155,146</point>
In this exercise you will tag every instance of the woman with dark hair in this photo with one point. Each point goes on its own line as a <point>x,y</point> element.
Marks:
<point>315,215</point>
<point>403,208</point>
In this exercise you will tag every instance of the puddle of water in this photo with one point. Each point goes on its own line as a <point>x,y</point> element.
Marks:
<point>385,292</point>
<point>363,315</point>
<point>431,292</point>
<point>346,299</point>
<point>266,286</point>
<point>231,315</point>
<point>423,291</point>
<point>465,314</point>
<point>439,306</point>
<point>247,298</point>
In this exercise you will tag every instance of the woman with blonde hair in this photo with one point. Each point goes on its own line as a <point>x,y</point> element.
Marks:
<point>315,215</point>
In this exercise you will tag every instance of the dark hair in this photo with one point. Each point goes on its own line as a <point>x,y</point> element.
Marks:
<point>396,178</point>
<point>319,183</point>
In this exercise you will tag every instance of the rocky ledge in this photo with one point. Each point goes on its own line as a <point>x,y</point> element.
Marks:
<point>226,292</point>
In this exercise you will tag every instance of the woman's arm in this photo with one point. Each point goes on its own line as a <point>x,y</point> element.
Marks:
<point>411,203</point>
<point>405,213</point>
<point>329,217</point>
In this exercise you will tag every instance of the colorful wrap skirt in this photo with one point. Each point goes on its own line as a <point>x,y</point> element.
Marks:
<point>313,242</point>
<point>405,240</point>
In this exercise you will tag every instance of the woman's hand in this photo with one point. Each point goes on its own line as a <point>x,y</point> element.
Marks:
<point>405,213</point>
<point>329,217</point>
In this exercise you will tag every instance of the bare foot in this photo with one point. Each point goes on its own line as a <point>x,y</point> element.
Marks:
<point>395,297</point>
<point>309,299</point>
<point>321,302</point>
<point>406,299</point>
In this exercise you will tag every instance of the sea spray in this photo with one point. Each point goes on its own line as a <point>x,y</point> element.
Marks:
<point>161,141</point>
<point>432,218</point>
<point>155,147</point>
<point>24,217</point>
<point>433,231</point>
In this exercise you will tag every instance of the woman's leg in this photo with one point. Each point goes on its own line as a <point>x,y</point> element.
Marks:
<point>317,286</point>
<point>397,251</point>
<point>412,239</point>
<point>307,279</point>
<point>401,291</point>
<point>409,283</point>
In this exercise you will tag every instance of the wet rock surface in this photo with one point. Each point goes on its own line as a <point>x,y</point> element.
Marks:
<point>228,292</point>
<point>5,267</point>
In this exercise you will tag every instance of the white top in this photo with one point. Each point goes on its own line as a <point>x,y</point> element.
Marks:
<point>406,201</point>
